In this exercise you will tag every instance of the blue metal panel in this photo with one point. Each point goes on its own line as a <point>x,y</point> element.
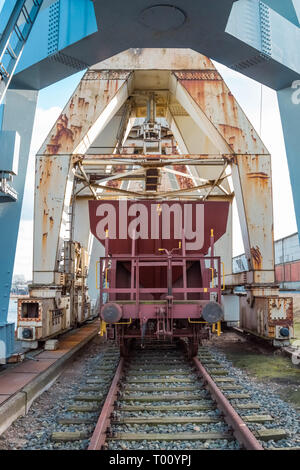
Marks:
<point>287,249</point>
<point>289,106</point>
<point>13,37</point>
<point>274,37</point>
<point>289,286</point>
<point>291,248</point>
<point>285,8</point>
<point>296,4</point>
<point>60,25</point>
<point>7,343</point>
<point>18,115</point>
<point>278,248</point>
<point>1,114</point>
<point>79,16</point>
<point>10,148</point>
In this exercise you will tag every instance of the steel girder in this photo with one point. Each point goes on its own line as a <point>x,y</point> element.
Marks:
<point>205,97</point>
<point>259,39</point>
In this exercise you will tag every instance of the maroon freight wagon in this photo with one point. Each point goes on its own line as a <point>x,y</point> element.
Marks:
<point>159,278</point>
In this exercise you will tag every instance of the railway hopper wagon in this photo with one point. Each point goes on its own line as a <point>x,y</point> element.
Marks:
<point>159,279</point>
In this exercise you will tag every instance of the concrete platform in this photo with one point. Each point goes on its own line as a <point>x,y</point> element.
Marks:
<point>22,383</point>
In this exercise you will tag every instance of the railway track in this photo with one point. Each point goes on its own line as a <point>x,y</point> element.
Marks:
<point>158,399</point>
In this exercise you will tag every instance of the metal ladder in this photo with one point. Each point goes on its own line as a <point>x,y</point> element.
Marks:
<point>14,37</point>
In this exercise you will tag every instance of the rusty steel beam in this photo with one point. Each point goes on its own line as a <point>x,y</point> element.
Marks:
<point>211,94</point>
<point>117,190</point>
<point>83,117</point>
<point>217,181</point>
<point>159,164</point>
<point>189,189</point>
<point>240,429</point>
<point>87,180</point>
<point>132,175</point>
<point>146,195</point>
<point>252,180</point>
<point>185,175</point>
<point>147,157</point>
<point>211,104</point>
<point>118,176</point>
<point>178,192</point>
<point>99,435</point>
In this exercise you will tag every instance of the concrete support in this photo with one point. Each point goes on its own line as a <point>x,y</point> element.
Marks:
<point>18,115</point>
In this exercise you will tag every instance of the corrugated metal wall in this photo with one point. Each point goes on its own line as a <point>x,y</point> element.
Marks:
<point>287,262</point>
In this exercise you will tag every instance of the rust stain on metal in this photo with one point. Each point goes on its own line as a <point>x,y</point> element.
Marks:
<point>258,175</point>
<point>184,182</point>
<point>63,135</point>
<point>210,92</point>
<point>113,184</point>
<point>94,92</point>
<point>48,173</point>
<point>198,75</point>
<point>256,257</point>
<point>280,312</point>
<point>116,184</point>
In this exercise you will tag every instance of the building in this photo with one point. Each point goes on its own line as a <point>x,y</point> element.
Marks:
<point>287,262</point>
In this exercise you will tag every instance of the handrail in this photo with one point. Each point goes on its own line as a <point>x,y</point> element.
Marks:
<point>223,276</point>
<point>212,277</point>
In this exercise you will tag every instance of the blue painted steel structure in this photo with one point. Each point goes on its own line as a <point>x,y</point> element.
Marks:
<point>20,19</point>
<point>19,104</point>
<point>257,38</point>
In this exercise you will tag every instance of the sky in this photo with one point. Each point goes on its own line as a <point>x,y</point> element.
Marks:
<point>247,92</point>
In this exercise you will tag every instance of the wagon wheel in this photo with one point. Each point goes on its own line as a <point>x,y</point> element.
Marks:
<point>125,347</point>
<point>192,348</point>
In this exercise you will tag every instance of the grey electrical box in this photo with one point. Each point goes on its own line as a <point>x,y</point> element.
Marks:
<point>231,305</point>
<point>9,152</point>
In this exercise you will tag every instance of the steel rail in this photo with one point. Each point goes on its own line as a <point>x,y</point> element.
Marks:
<point>99,435</point>
<point>240,429</point>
